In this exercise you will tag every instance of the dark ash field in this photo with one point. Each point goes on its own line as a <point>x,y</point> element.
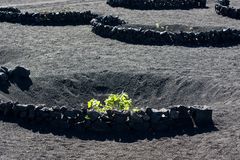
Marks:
<point>70,64</point>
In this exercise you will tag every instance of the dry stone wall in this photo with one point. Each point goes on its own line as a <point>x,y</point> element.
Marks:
<point>222,8</point>
<point>158,4</point>
<point>149,120</point>
<point>114,28</point>
<point>13,15</point>
<point>10,9</point>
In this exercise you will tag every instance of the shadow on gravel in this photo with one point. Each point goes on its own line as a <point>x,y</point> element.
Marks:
<point>5,86</point>
<point>123,137</point>
<point>23,83</point>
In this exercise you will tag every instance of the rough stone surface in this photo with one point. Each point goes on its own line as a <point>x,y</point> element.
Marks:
<point>93,115</point>
<point>19,72</point>
<point>12,15</point>
<point>10,9</point>
<point>114,28</point>
<point>120,117</point>
<point>62,118</point>
<point>3,77</point>
<point>99,126</point>
<point>139,121</point>
<point>158,4</point>
<point>120,127</point>
<point>201,115</point>
<point>222,8</point>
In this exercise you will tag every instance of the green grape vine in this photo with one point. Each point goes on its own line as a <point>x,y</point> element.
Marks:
<point>120,102</point>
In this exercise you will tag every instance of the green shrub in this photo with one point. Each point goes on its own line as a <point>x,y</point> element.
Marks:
<point>95,104</point>
<point>120,102</point>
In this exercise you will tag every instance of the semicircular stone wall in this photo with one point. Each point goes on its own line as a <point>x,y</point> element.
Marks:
<point>158,4</point>
<point>114,28</point>
<point>13,15</point>
<point>223,8</point>
<point>153,120</point>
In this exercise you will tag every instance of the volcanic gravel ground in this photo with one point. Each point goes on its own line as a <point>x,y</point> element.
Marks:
<point>69,65</point>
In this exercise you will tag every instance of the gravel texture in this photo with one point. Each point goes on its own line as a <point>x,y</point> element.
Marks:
<point>70,64</point>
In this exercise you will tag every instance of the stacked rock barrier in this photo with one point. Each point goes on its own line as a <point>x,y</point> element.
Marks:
<point>158,4</point>
<point>13,15</point>
<point>10,9</point>
<point>114,28</point>
<point>222,8</point>
<point>147,120</point>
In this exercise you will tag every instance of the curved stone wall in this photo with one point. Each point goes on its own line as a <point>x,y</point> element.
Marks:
<point>10,9</point>
<point>223,8</point>
<point>158,4</point>
<point>46,19</point>
<point>153,120</point>
<point>137,35</point>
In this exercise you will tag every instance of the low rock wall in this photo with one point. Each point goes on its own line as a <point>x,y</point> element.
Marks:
<point>225,10</point>
<point>102,26</point>
<point>13,15</point>
<point>153,120</point>
<point>158,4</point>
<point>10,9</point>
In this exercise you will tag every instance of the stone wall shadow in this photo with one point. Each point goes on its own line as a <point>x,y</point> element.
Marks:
<point>23,83</point>
<point>4,87</point>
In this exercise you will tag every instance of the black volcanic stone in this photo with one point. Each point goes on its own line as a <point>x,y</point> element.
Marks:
<point>2,107</point>
<point>6,108</point>
<point>19,108</point>
<point>104,117</point>
<point>119,127</point>
<point>79,127</point>
<point>183,119</point>
<point>163,125</point>
<point>157,4</point>
<point>201,115</point>
<point>93,115</point>
<point>99,126</point>
<point>3,77</point>
<point>9,108</point>
<point>176,117</point>
<point>19,72</point>
<point>10,9</point>
<point>56,115</point>
<point>60,125</point>
<point>63,109</point>
<point>224,2</point>
<point>31,112</point>
<point>120,117</point>
<point>157,115</point>
<point>56,108</point>
<point>45,114</point>
<point>139,121</point>
<point>70,114</point>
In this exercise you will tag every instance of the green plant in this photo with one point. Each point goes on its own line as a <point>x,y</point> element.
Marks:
<point>96,105</point>
<point>120,102</point>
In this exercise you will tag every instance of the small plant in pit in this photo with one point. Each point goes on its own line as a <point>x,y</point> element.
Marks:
<point>120,102</point>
